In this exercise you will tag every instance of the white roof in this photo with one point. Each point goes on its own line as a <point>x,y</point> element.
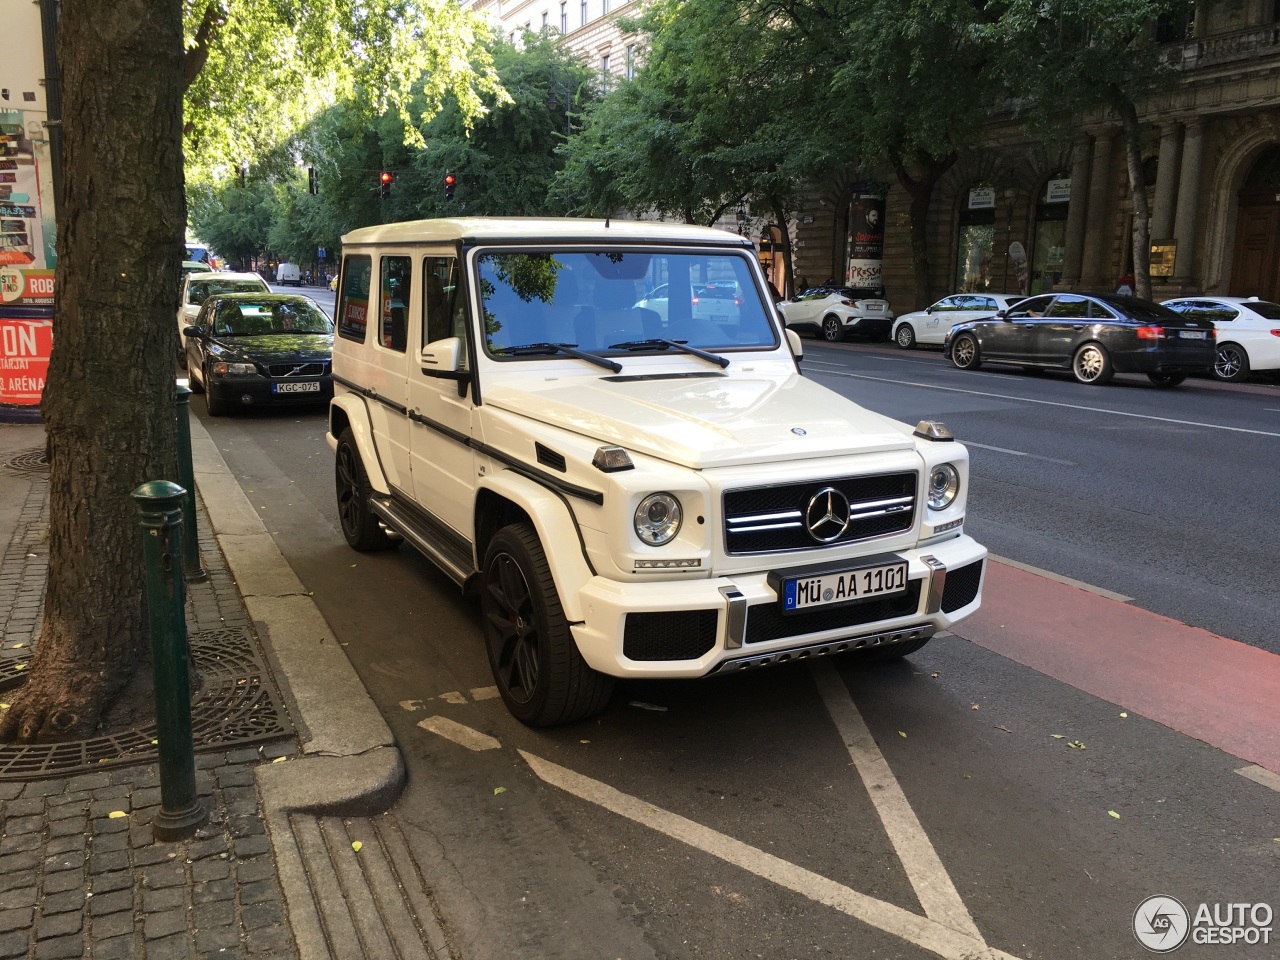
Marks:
<point>224,275</point>
<point>1215,299</point>
<point>535,229</point>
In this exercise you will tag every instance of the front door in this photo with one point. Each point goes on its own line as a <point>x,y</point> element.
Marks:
<point>1010,338</point>
<point>1255,269</point>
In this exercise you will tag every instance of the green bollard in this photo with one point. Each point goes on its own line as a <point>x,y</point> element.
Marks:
<point>191,566</point>
<point>160,503</point>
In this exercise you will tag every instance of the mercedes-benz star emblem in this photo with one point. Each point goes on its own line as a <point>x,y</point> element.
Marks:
<point>827,515</point>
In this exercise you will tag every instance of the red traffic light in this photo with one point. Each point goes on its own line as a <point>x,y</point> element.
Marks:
<point>449,180</point>
<point>386,177</point>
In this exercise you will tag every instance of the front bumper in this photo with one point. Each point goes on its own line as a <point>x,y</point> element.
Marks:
<point>696,627</point>
<point>259,392</point>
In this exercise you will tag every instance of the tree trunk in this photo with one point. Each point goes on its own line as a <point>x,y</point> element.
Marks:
<point>781,216</point>
<point>109,400</point>
<point>1141,213</point>
<point>920,190</point>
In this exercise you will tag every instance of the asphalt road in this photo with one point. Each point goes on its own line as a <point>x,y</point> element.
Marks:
<point>731,819</point>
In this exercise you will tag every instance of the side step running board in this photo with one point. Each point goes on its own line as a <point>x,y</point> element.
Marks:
<point>455,564</point>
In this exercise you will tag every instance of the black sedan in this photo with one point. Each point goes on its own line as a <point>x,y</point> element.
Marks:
<point>253,349</point>
<point>1093,336</point>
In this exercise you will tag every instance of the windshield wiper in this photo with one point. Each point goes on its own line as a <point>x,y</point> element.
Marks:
<point>567,348</point>
<point>681,345</point>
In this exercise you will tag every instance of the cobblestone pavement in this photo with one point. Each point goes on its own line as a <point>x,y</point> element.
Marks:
<point>80,872</point>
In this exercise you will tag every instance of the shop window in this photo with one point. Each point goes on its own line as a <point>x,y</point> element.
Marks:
<point>1049,243</point>
<point>975,241</point>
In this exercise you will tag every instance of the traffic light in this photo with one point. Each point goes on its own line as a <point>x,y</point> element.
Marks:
<point>450,181</point>
<point>385,180</point>
<point>313,185</point>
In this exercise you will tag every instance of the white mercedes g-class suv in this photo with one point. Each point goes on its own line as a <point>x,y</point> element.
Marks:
<point>637,485</point>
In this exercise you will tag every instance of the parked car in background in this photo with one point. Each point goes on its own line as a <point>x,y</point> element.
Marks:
<point>199,287</point>
<point>254,349</point>
<point>194,266</point>
<point>1094,337</point>
<point>1248,332</point>
<point>289,273</point>
<point>932,324</point>
<point>838,312</point>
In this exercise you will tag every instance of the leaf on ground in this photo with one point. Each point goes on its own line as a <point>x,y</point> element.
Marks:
<point>116,814</point>
<point>19,666</point>
<point>902,735</point>
<point>935,674</point>
<point>18,646</point>
<point>4,706</point>
<point>1124,714</point>
<point>1057,736</point>
<point>966,776</point>
<point>356,845</point>
<point>584,741</point>
<point>498,790</point>
<point>648,706</point>
<point>1112,813</point>
<point>974,707</point>
<point>279,759</point>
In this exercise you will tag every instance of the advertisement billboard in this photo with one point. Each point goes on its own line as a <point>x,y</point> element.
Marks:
<point>865,242</point>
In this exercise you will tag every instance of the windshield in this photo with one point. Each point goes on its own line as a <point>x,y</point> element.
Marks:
<point>606,301</point>
<point>198,291</point>
<point>251,318</point>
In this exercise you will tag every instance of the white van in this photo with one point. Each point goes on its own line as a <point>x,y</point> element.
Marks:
<point>289,273</point>
<point>633,493</point>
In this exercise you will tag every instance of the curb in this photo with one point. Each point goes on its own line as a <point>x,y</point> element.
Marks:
<point>350,764</point>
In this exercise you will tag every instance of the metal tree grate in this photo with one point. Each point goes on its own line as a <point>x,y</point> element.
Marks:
<point>238,704</point>
<point>33,461</point>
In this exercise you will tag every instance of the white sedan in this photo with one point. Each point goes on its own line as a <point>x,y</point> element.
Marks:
<point>1248,332</point>
<point>932,324</point>
<point>836,312</point>
<point>198,287</point>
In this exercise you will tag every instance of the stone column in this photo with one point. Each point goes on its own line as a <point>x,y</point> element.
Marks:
<point>1184,222</point>
<point>1200,26</point>
<point>1096,236</point>
<point>1166,182</point>
<point>1072,256</point>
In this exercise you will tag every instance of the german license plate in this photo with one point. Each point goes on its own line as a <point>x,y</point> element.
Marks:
<point>300,386</point>
<point>846,586</point>
<point>874,307</point>
<point>1192,334</point>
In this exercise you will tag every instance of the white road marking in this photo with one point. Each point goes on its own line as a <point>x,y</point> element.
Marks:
<point>459,734</point>
<point>483,693</point>
<point>929,879</point>
<point>1051,403</point>
<point>1261,775</point>
<point>1050,575</point>
<point>921,931</point>
<point>412,705</point>
<point>1019,453</point>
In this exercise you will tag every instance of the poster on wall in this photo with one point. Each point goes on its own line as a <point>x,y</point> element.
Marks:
<point>27,253</point>
<point>865,242</point>
<point>25,344</point>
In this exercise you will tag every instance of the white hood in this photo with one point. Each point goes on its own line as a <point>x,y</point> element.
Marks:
<point>708,422</point>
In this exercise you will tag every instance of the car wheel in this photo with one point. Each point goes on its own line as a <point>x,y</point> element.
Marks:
<point>832,330</point>
<point>889,651</point>
<point>905,337</point>
<point>360,526</point>
<point>1231,363</point>
<point>964,352</point>
<point>1166,379</point>
<point>1091,365</point>
<point>540,674</point>
<point>216,406</point>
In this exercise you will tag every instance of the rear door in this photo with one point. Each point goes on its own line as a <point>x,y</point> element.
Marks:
<point>1054,338</point>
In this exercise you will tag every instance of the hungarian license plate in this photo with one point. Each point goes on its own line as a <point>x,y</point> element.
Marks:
<point>300,386</point>
<point>1192,334</point>
<point>845,586</point>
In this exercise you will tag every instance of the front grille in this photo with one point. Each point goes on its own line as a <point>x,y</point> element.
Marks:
<point>962,586</point>
<point>677,635</point>
<point>318,369</point>
<point>772,519</point>
<point>765,621</point>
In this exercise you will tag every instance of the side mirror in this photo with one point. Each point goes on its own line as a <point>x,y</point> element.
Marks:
<point>796,344</point>
<point>928,309</point>
<point>192,331</point>
<point>1001,315</point>
<point>440,358</point>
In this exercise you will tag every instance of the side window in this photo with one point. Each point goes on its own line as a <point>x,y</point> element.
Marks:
<point>1098,312</point>
<point>353,300</point>
<point>1216,312</point>
<point>1035,307</point>
<point>444,308</point>
<point>988,304</point>
<point>393,311</point>
<point>1069,307</point>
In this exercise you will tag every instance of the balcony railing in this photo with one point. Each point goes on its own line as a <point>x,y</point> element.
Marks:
<point>1254,43</point>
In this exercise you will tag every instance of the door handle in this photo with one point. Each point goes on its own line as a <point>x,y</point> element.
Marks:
<point>1077,326</point>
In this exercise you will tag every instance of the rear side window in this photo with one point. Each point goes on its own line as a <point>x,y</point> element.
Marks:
<point>393,313</point>
<point>1069,308</point>
<point>353,299</point>
<point>1265,309</point>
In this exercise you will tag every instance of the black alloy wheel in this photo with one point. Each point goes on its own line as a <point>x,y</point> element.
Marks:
<point>1091,365</point>
<point>964,352</point>
<point>832,329</point>
<point>360,526</point>
<point>1166,380</point>
<point>535,661</point>
<point>1231,363</point>
<point>905,337</point>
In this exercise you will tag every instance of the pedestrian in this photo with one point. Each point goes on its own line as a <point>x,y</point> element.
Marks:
<point>1126,285</point>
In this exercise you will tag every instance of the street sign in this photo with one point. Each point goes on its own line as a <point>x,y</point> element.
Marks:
<point>320,253</point>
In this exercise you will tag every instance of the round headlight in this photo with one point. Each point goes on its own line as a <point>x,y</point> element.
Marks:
<point>658,519</point>
<point>944,484</point>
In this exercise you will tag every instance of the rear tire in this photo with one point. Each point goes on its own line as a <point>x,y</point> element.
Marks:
<point>1166,380</point>
<point>964,352</point>
<point>360,527</point>
<point>832,329</point>
<point>1231,363</point>
<point>540,674</point>
<point>905,337</point>
<point>1091,365</point>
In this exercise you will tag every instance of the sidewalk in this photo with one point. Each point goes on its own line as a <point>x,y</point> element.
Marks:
<point>293,862</point>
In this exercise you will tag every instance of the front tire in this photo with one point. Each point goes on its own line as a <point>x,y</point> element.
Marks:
<point>1166,380</point>
<point>964,352</point>
<point>832,329</point>
<point>540,674</point>
<point>905,337</point>
<point>359,525</point>
<point>1231,363</point>
<point>1091,365</point>
<point>216,406</point>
